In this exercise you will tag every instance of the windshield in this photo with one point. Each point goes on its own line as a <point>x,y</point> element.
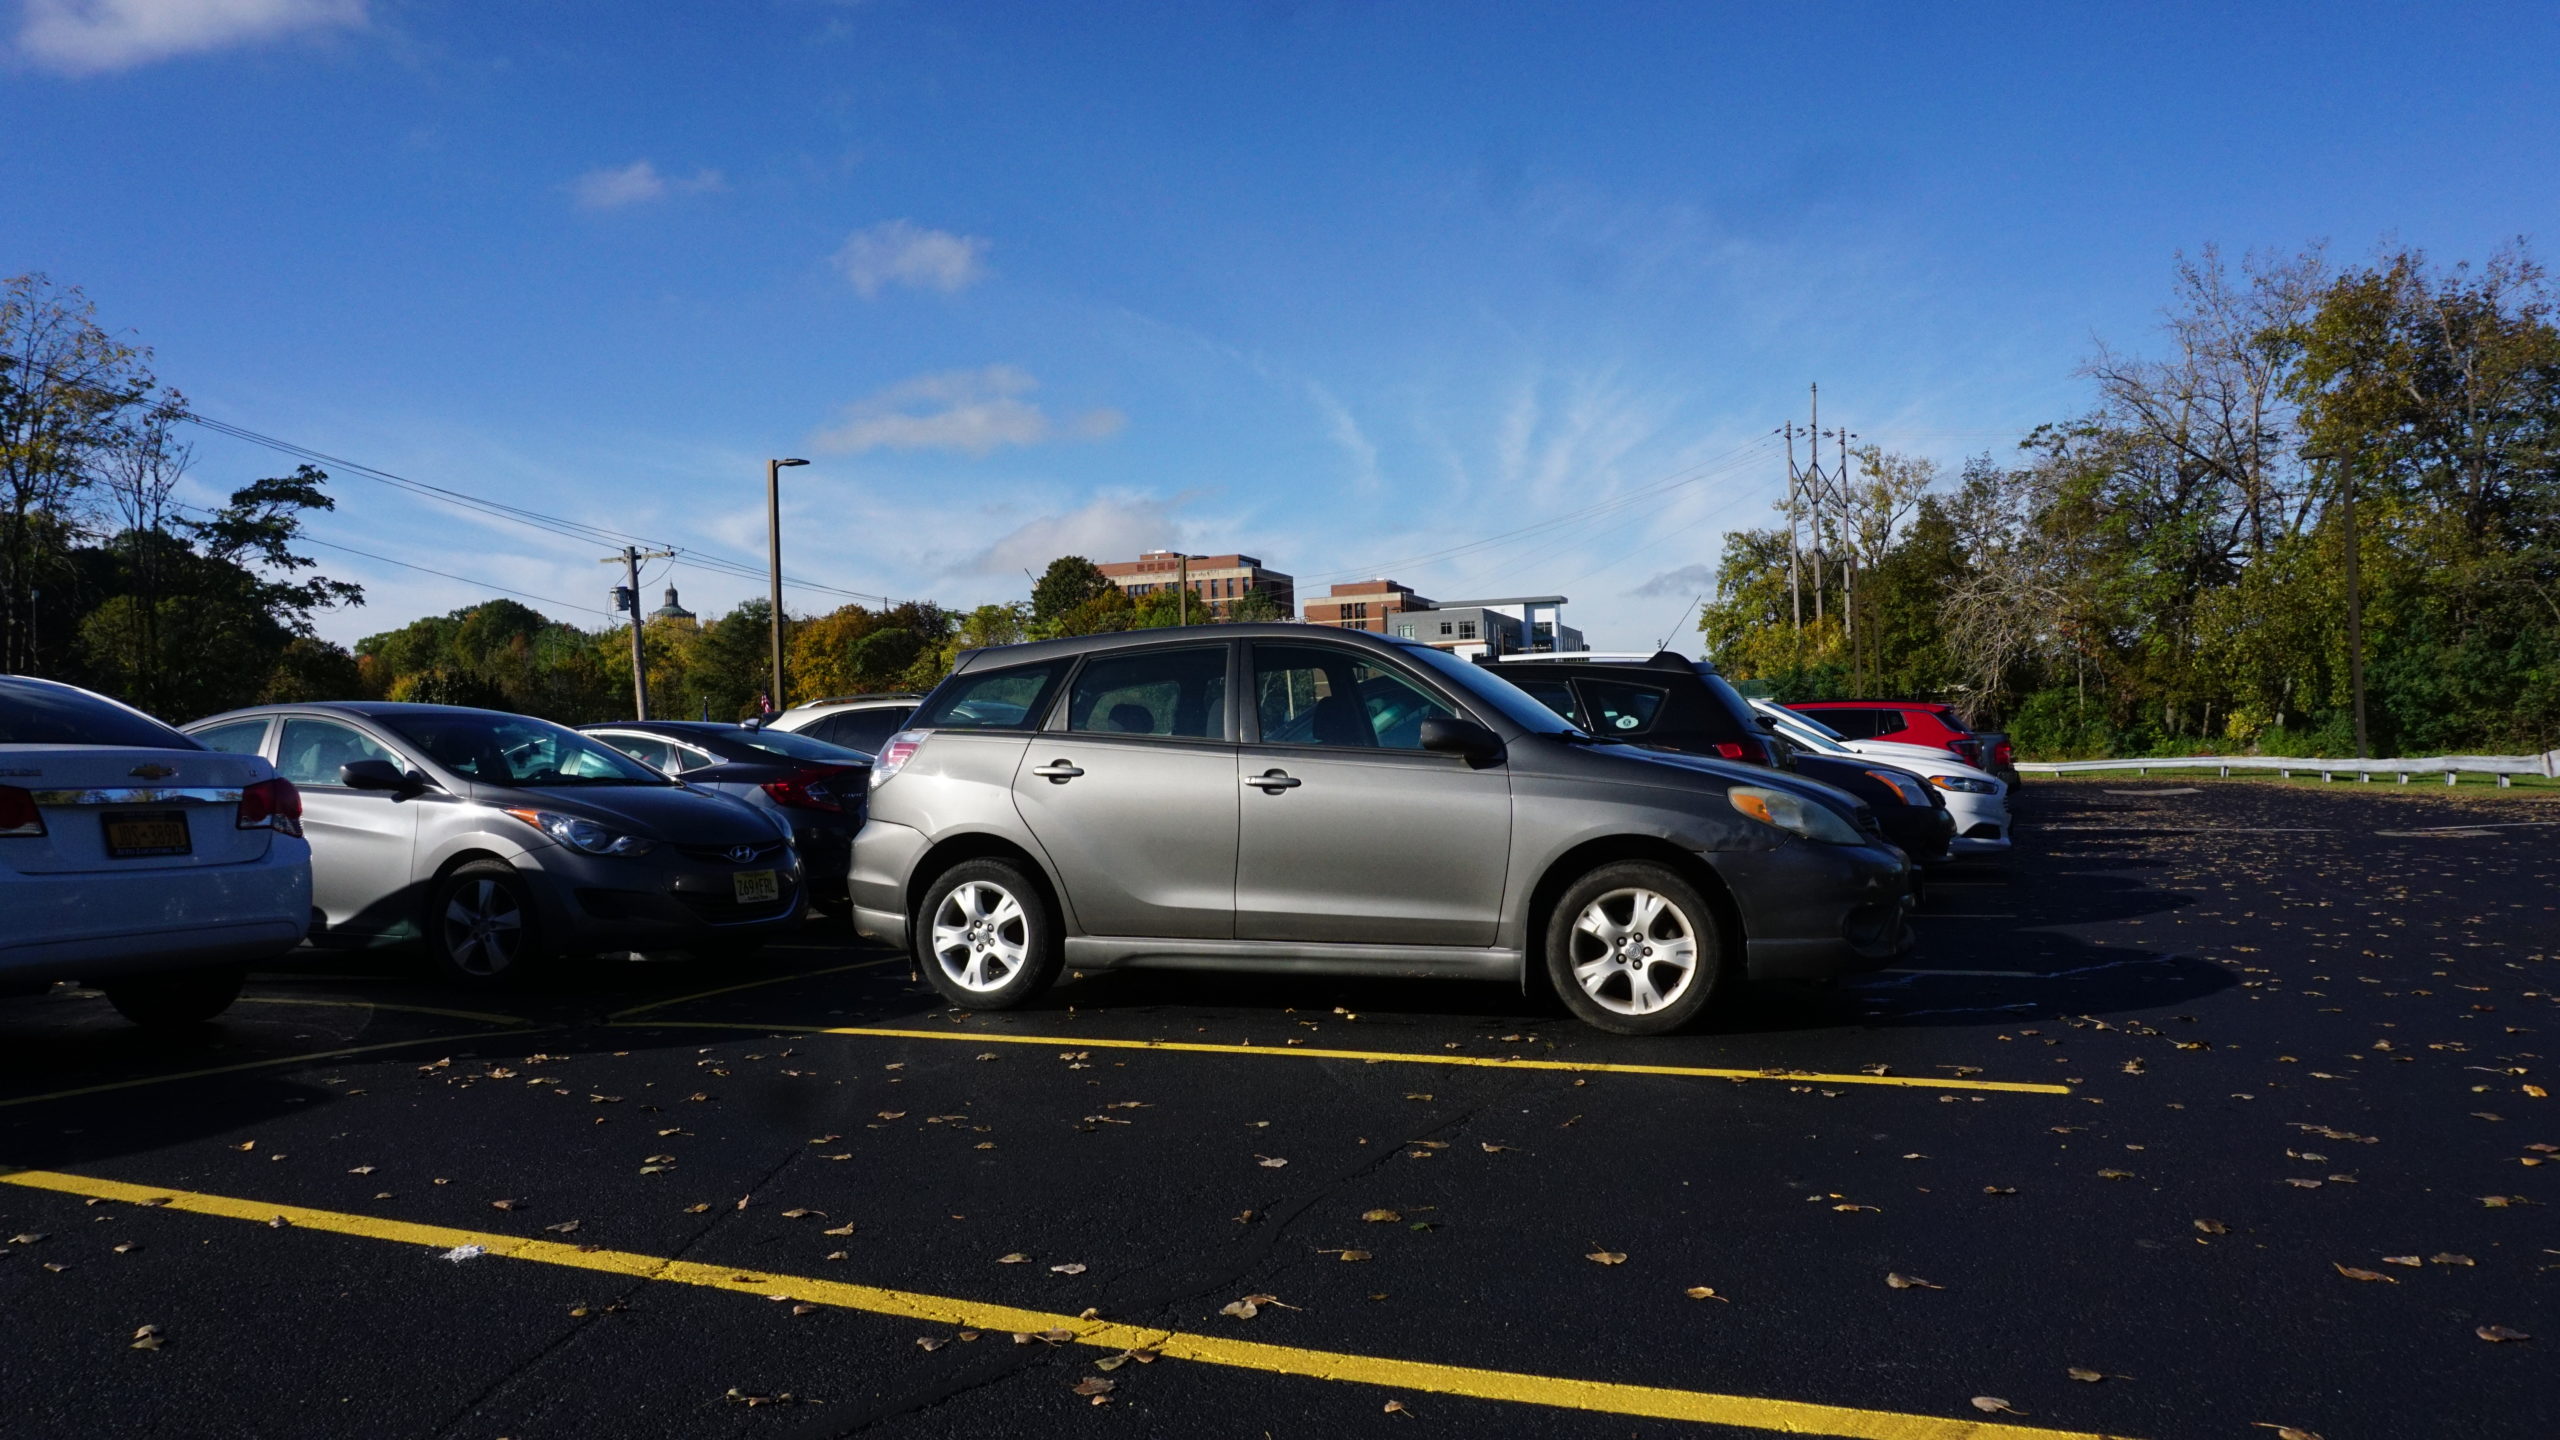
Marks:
<point>1805,732</point>
<point>38,712</point>
<point>799,747</point>
<point>517,750</point>
<point>1479,683</point>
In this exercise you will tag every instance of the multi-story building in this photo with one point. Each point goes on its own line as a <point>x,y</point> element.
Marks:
<point>1216,581</point>
<point>1370,605</point>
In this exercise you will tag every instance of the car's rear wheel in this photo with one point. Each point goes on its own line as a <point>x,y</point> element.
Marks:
<point>189,997</point>
<point>1634,947</point>
<point>482,927</point>
<point>988,940</point>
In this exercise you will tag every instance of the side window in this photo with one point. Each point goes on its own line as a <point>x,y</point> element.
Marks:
<point>1619,707</point>
<point>1852,724</point>
<point>240,737</point>
<point>681,758</point>
<point>643,749</point>
<point>312,751</point>
<point>1013,698</point>
<point>1552,691</point>
<point>868,730</point>
<point>1311,695</point>
<point>1177,694</point>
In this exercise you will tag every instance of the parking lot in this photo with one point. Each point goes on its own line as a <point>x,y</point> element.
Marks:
<point>2219,1107</point>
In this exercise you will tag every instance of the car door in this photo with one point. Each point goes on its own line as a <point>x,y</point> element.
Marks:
<point>1132,792</point>
<point>363,842</point>
<point>1350,831</point>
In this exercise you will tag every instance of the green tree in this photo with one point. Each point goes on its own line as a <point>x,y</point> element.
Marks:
<point>1070,583</point>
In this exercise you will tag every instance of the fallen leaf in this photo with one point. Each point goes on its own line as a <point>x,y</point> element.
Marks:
<point>929,1344</point>
<point>2083,1373</point>
<point>838,1230</point>
<point>2213,1227</point>
<point>2353,1273</point>
<point>127,1248</point>
<point>1910,1282</point>
<point>565,1227</point>
<point>2115,1174</point>
<point>361,1170</point>
<point>2448,1258</point>
<point>1351,1254</point>
<point>1070,1268</point>
<point>504,1204</point>
<point>1993,1404</point>
<point>1269,1162</point>
<point>1606,1257</point>
<point>1492,1149</point>
<point>2411,1261</point>
<point>804,1309</point>
<point>2495,1333</point>
<point>28,1238</point>
<point>1380,1216</point>
<point>1016,1258</point>
<point>2285,1432</point>
<point>1705,1292</point>
<point>1394,1407</point>
<point>1094,1385</point>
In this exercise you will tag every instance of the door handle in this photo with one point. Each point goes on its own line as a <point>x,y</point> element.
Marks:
<point>1272,782</point>
<point>1056,772</point>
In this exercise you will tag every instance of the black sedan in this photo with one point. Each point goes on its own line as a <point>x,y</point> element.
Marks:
<point>816,788</point>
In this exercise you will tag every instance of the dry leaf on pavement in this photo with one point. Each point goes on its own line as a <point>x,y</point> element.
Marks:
<point>2353,1273</point>
<point>1705,1292</point>
<point>1072,1267</point>
<point>1994,1405</point>
<point>1910,1282</point>
<point>1606,1257</point>
<point>2084,1373</point>
<point>2500,1332</point>
<point>1380,1216</point>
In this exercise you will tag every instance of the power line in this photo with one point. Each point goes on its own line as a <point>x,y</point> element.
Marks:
<point>306,538</point>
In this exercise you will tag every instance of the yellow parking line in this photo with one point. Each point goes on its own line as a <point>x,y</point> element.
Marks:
<point>481,1015</point>
<point>1374,1057</point>
<point>1605,1397</point>
<point>750,985</point>
<point>308,1057</point>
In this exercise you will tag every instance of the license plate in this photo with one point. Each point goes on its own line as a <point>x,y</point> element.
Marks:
<point>134,834</point>
<point>757,885</point>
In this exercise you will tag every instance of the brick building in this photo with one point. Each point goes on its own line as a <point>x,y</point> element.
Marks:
<point>1364,605</point>
<point>1217,581</point>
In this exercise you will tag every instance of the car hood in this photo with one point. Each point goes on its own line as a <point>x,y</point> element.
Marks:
<point>1735,772</point>
<point>676,813</point>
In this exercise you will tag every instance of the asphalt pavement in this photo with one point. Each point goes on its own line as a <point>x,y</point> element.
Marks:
<point>2217,1108</point>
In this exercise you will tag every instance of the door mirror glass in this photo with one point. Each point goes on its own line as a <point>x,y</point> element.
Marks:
<point>1445,735</point>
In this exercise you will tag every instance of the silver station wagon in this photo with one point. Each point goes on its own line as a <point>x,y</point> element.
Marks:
<point>1283,798</point>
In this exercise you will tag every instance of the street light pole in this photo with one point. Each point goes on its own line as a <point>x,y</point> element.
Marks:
<point>773,530</point>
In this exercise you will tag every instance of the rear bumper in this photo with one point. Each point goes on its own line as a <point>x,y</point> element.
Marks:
<point>1811,912</point>
<point>884,859</point>
<point>105,925</point>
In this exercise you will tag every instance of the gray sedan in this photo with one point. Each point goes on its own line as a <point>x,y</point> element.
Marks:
<point>1279,799</point>
<point>502,840</point>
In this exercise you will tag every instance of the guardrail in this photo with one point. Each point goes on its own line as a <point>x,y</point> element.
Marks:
<point>2452,767</point>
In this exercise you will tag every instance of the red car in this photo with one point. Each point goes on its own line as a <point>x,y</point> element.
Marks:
<point>1904,722</point>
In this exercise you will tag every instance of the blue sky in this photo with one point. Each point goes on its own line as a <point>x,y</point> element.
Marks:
<point>1343,285</point>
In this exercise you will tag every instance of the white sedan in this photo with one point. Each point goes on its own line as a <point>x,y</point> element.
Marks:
<point>1978,799</point>
<point>135,859</point>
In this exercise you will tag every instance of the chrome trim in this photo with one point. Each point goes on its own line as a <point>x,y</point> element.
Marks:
<point>176,795</point>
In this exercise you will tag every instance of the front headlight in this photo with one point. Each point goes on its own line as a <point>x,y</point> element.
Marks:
<point>1904,786</point>
<point>1794,814</point>
<point>1965,785</point>
<point>584,835</point>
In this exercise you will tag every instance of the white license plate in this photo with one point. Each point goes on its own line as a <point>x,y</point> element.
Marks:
<point>757,885</point>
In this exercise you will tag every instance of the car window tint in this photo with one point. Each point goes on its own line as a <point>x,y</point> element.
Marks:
<point>1177,694</point>
<point>240,737</point>
<point>867,730</point>
<point>648,751</point>
<point>1850,724</point>
<point>1317,695</point>
<point>685,757</point>
<point>312,751</point>
<point>33,712</point>
<point>1620,707</point>
<point>1009,699</point>
<point>1551,691</point>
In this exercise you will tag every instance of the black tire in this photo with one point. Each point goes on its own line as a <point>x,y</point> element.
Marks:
<point>482,927</point>
<point>1001,929</point>
<point>1622,973</point>
<point>168,1002</point>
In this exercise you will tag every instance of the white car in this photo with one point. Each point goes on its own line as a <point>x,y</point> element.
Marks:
<point>137,860</point>
<point>1978,799</point>
<point>856,722</point>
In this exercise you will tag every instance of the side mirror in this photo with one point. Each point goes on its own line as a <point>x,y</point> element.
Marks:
<point>1463,738</point>
<point>1766,723</point>
<point>377,775</point>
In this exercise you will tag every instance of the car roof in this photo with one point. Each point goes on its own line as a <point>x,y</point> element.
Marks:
<point>877,697</point>
<point>354,709</point>
<point>1033,651</point>
<point>673,727</point>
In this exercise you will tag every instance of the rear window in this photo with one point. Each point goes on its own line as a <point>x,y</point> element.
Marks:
<point>1013,698</point>
<point>38,712</point>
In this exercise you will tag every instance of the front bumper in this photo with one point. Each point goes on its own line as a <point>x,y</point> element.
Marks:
<point>674,900</point>
<point>1812,912</point>
<point>106,925</point>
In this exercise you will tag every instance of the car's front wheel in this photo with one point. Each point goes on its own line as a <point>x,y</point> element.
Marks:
<point>481,924</point>
<point>189,997</point>
<point>1634,947</point>
<point>988,940</point>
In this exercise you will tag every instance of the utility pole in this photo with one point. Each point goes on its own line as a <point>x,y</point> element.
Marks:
<point>1795,503</point>
<point>773,531</point>
<point>627,597</point>
<point>1819,498</point>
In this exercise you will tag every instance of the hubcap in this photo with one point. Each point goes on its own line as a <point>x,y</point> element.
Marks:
<point>483,928</point>
<point>1634,951</point>
<point>981,936</point>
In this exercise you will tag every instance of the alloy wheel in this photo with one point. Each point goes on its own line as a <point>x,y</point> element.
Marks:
<point>981,936</point>
<point>1634,951</point>
<point>483,927</point>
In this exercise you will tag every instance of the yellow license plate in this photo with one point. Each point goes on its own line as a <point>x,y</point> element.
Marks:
<point>756,885</point>
<point>138,833</point>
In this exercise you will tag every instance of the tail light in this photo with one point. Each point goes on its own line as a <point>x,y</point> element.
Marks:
<point>814,788</point>
<point>895,752</point>
<point>272,804</point>
<point>1749,752</point>
<point>2004,754</point>
<point>18,812</point>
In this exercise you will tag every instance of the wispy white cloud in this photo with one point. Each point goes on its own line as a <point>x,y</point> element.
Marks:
<point>1343,429</point>
<point>901,252</point>
<point>974,412</point>
<point>1688,580</point>
<point>1111,526</point>
<point>88,37</point>
<point>612,187</point>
